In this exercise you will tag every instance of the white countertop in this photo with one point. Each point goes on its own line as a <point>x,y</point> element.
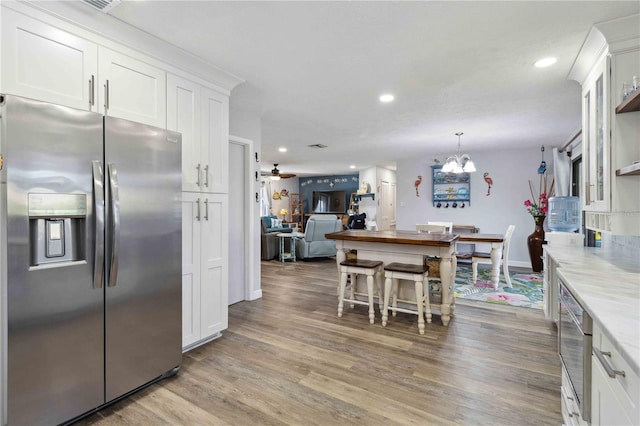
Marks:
<point>607,285</point>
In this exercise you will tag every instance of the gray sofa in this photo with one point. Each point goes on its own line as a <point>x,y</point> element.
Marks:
<point>314,244</point>
<point>269,241</point>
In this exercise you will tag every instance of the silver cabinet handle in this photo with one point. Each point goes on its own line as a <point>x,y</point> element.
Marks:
<point>198,177</point>
<point>106,96</point>
<point>98,211</point>
<point>206,209</point>
<point>115,229</point>
<point>607,367</point>
<point>206,175</point>
<point>92,98</point>
<point>198,210</point>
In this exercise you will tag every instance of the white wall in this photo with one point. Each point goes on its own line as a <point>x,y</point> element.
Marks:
<point>510,171</point>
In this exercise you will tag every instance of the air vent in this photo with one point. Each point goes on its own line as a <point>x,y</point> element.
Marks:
<point>103,5</point>
<point>317,146</point>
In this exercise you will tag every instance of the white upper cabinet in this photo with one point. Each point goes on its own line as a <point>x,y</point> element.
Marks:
<point>609,57</point>
<point>595,125</point>
<point>42,62</point>
<point>131,89</point>
<point>183,115</point>
<point>202,116</point>
<point>215,141</point>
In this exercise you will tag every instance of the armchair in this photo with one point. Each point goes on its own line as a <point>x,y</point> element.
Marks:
<point>269,241</point>
<point>314,244</point>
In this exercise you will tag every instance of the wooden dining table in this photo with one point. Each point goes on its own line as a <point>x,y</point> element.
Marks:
<point>405,247</point>
<point>496,241</point>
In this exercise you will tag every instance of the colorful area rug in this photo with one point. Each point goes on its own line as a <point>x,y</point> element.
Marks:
<point>526,291</point>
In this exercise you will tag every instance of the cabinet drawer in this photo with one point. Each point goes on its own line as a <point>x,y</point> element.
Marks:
<point>625,388</point>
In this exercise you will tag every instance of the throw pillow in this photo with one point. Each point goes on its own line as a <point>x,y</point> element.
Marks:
<point>276,223</point>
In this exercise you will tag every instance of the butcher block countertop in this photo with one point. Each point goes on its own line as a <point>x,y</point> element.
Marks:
<point>607,285</point>
<point>395,237</point>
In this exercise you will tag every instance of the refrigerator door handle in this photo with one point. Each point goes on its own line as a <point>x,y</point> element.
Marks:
<point>98,200</point>
<point>115,229</point>
<point>206,209</point>
<point>206,175</point>
<point>198,178</point>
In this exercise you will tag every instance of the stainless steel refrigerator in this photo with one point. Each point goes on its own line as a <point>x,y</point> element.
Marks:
<point>91,258</point>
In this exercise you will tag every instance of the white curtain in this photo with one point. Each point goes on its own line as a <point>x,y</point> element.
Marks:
<point>265,198</point>
<point>561,173</point>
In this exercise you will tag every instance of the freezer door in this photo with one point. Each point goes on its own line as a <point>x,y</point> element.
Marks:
<point>55,312</point>
<point>144,243</point>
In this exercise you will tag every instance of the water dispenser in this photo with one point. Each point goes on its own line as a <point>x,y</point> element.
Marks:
<point>564,214</point>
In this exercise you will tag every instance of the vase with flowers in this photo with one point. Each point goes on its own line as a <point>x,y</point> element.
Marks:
<point>538,207</point>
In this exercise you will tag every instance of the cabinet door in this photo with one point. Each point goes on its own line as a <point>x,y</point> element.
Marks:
<point>131,89</point>
<point>595,129</point>
<point>42,62</point>
<point>215,141</point>
<point>183,115</point>
<point>214,275</point>
<point>606,408</point>
<point>191,255</point>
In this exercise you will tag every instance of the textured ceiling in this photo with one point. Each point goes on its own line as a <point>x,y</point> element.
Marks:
<point>314,71</point>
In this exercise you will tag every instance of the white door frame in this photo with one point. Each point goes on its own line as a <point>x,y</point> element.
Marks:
<point>249,223</point>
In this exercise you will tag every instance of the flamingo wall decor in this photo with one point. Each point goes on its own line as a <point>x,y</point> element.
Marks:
<point>417,184</point>
<point>489,182</point>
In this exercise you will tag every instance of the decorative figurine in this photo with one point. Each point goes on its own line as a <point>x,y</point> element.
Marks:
<point>543,164</point>
<point>417,184</point>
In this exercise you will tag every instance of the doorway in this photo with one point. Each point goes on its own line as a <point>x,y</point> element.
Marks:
<point>240,213</point>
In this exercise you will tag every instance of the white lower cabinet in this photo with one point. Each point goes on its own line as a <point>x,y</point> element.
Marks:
<point>570,411</point>
<point>204,267</point>
<point>614,400</point>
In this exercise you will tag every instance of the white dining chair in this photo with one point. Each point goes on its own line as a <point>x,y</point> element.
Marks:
<point>447,225</point>
<point>481,257</point>
<point>430,229</point>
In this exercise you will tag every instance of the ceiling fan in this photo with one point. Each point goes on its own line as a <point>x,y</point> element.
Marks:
<point>276,175</point>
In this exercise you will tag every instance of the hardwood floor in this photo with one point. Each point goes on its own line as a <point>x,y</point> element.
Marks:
<point>288,359</point>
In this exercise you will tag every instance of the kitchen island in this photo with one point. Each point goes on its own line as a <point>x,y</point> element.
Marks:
<point>405,247</point>
<point>606,283</point>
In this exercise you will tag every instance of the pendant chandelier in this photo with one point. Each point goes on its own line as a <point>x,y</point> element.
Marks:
<point>459,163</point>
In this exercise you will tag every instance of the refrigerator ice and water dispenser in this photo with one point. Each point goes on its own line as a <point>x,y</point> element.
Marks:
<point>57,228</point>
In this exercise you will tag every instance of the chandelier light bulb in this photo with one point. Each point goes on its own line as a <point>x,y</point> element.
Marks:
<point>459,163</point>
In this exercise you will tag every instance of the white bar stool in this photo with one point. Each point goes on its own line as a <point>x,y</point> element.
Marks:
<point>419,274</point>
<point>370,268</point>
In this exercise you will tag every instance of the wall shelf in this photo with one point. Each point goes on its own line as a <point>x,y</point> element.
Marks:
<point>632,103</point>
<point>358,197</point>
<point>450,188</point>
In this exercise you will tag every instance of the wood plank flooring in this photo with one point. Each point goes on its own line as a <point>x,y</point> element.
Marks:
<point>287,359</point>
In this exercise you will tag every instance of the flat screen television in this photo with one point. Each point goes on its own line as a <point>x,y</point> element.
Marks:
<point>329,201</point>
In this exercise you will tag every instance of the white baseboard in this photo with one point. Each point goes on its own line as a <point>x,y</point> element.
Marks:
<point>257,294</point>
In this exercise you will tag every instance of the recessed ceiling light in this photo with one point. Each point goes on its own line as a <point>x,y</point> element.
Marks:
<point>353,166</point>
<point>386,98</point>
<point>282,149</point>
<point>546,62</point>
